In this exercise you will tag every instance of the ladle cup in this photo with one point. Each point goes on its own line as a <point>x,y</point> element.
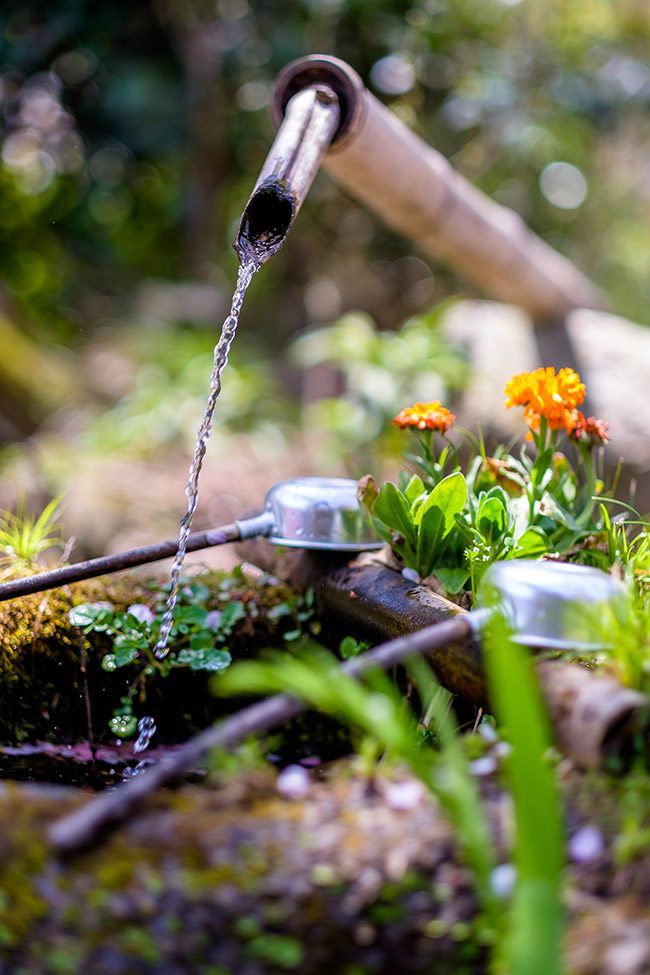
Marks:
<point>552,605</point>
<point>307,512</point>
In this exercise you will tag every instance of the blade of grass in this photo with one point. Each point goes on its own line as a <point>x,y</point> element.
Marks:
<point>533,943</point>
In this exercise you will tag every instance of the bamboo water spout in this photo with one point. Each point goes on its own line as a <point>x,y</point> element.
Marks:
<point>410,185</point>
<point>310,123</point>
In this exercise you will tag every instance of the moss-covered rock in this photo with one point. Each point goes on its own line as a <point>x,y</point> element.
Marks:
<point>240,880</point>
<point>53,686</point>
<point>236,879</point>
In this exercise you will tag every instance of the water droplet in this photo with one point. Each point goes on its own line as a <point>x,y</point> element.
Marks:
<point>146,731</point>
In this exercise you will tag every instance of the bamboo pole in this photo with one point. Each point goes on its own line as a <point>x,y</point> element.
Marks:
<point>596,721</point>
<point>416,191</point>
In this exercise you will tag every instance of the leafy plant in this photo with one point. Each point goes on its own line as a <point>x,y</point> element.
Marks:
<point>24,536</point>
<point>450,530</point>
<point>455,524</point>
<point>200,634</point>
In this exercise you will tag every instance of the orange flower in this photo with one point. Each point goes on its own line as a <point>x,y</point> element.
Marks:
<point>589,430</point>
<point>426,416</point>
<point>545,394</point>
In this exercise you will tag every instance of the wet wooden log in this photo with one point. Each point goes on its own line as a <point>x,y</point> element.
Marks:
<point>377,603</point>
<point>597,721</point>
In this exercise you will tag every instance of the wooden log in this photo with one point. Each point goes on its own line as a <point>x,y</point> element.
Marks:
<point>377,603</point>
<point>597,722</point>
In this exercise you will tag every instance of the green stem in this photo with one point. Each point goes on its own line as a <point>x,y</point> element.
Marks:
<point>586,453</point>
<point>541,444</point>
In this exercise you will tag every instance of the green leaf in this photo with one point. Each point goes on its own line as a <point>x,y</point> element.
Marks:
<point>196,591</point>
<point>450,496</point>
<point>231,614</point>
<point>535,941</point>
<point>89,615</point>
<point>492,517</point>
<point>532,544</point>
<point>192,615</point>
<point>123,725</point>
<point>393,509</point>
<point>414,489</point>
<point>203,640</point>
<point>349,647</point>
<point>551,508</point>
<point>431,534</point>
<point>452,579</point>
<point>125,650</point>
<point>211,658</point>
<point>383,531</point>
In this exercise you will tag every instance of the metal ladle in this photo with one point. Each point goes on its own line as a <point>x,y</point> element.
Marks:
<point>552,605</point>
<point>535,596</point>
<point>307,512</point>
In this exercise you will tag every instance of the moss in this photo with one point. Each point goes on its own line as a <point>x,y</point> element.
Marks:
<point>22,857</point>
<point>50,671</point>
<point>214,878</point>
<point>41,685</point>
<point>39,623</point>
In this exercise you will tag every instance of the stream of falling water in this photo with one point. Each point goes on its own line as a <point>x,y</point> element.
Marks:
<point>244,277</point>
<point>146,731</point>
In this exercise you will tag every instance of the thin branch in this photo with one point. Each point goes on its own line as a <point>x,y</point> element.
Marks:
<point>85,825</point>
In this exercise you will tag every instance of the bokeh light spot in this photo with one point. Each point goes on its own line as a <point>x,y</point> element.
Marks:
<point>393,75</point>
<point>563,185</point>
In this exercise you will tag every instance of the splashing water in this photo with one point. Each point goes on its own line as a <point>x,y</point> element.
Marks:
<point>146,731</point>
<point>244,277</point>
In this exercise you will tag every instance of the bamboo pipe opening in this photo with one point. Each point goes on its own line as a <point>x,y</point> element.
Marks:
<point>267,219</point>
<point>311,121</point>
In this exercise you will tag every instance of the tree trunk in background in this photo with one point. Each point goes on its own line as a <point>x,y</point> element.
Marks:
<point>199,46</point>
<point>34,380</point>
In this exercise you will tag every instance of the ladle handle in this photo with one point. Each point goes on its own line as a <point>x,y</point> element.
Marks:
<point>92,568</point>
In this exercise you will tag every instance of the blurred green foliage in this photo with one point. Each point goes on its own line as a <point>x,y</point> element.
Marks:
<point>134,132</point>
<point>378,371</point>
